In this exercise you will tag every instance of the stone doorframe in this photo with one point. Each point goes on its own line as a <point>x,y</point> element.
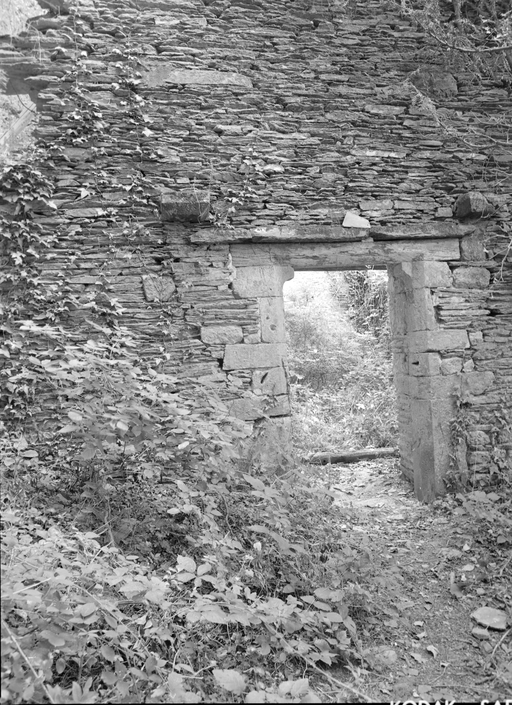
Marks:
<point>425,387</point>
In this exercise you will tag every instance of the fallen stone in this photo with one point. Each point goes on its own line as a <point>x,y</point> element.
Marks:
<point>490,617</point>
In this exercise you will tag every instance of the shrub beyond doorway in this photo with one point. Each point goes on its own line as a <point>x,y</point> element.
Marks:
<point>340,362</point>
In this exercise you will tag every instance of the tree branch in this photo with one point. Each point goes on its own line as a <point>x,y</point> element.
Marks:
<point>468,50</point>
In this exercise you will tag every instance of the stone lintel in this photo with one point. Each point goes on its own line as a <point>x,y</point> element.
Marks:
<point>326,256</point>
<point>413,231</point>
<point>285,233</point>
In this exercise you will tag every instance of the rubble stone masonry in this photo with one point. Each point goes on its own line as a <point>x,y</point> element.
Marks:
<point>201,152</point>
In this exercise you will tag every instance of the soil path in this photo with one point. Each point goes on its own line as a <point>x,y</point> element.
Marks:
<point>431,571</point>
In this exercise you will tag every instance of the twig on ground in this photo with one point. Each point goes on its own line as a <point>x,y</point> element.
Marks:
<point>491,655</point>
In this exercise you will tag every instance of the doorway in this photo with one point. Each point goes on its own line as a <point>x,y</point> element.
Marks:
<point>425,395</point>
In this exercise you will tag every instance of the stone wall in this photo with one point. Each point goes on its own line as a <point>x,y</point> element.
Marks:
<point>178,132</point>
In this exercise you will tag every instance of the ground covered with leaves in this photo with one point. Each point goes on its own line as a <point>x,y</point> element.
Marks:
<point>366,596</point>
<point>435,566</point>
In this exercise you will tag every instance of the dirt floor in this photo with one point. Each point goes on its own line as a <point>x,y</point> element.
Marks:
<point>433,570</point>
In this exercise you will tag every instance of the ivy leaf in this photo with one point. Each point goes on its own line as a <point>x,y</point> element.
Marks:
<point>185,564</point>
<point>108,653</point>
<point>54,639</point>
<point>88,453</point>
<point>257,484</point>
<point>230,680</point>
<point>88,609</point>
<point>300,687</point>
<point>109,677</point>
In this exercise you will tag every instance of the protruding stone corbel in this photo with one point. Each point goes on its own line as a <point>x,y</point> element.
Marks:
<point>472,204</point>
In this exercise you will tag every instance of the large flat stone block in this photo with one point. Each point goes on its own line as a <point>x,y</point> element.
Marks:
<point>433,340</point>
<point>451,365</point>
<point>246,408</point>
<point>477,382</point>
<point>424,364</point>
<point>272,320</point>
<point>430,274</point>
<point>270,381</point>
<point>430,444</point>
<point>471,278</point>
<point>192,206</point>
<point>420,311</point>
<point>168,73</point>
<point>472,248</point>
<point>255,282</point>
<point>431,388</point>
<point>249,357</point>
<point>222,335</point>
<point>252,408</point>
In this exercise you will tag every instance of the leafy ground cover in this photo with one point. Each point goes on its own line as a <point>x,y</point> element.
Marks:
<point>368,596</point>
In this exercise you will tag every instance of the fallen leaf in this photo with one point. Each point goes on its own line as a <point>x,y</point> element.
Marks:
<point>230,680</point>
<point>418,657</point>
<point>432,649</point>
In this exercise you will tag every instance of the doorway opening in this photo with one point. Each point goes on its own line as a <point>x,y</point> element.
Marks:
<point>340,361</point>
